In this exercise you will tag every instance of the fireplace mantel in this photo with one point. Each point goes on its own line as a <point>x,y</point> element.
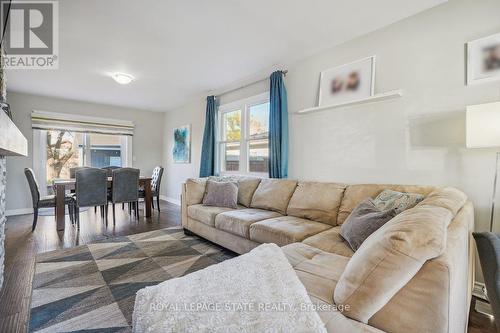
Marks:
<point>12,141</point>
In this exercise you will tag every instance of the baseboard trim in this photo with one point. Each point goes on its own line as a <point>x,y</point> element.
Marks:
<point>24,211</point>
<point>171,200</point>
<point>21,211</point>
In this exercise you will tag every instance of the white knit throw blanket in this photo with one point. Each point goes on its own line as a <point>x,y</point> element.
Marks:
<point>255,292</point>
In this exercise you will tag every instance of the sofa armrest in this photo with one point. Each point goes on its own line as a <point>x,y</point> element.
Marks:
<point>184,220</point>
<point>193,191</point>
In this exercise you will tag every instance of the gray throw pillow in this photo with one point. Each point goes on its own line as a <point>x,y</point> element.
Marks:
<point>364,220</point>
<point>221,194</point>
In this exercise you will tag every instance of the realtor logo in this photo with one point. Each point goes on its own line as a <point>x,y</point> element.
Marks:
<point>31,34</point>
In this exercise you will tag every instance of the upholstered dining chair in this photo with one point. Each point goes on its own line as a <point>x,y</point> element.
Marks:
<point>91,189</point>
<point>72,174</point>
<point>43,201</point>
<point>72,171</point>
<point>125,189</point>
<point>488,247</point>
<point>110,169</point>
<point>155,186</point>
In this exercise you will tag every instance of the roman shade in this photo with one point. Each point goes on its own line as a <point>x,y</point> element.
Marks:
<point>43,120</point>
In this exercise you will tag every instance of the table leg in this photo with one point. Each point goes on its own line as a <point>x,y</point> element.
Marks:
<point>148,198</point>
<point>60,216</point>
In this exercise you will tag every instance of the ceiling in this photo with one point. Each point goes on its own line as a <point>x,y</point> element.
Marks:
<point>180,49</point>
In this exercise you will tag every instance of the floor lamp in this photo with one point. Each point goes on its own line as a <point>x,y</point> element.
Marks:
<point>483,131</point>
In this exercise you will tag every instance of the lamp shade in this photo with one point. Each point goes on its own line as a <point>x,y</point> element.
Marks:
<point>483,125</point>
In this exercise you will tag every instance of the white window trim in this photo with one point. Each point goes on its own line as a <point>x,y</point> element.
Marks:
<point>243,105</point>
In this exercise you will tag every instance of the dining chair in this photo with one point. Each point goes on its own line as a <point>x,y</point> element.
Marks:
<point>72,171</point>
<point>72,175</point>
<point>110,169</point>
<point>155,186</point>
<point>91,189</point>
<point>43,201</point>
<point>125,189</point>
<point>488,248</point>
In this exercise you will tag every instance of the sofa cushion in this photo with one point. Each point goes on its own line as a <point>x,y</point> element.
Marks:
<point>400,201</point>
<point>206,214</point>
<point>238,222</point>
<point>273,194</point>
<point>319,272</point>
<point>442,284</point>
<point>285,230</point>
<point>364,220</point>
<point>195,190</point>
<point>246,189</point>
<point>330,241</point>
<point>390,258</point>
<point>221,194</point>
<point>354,194</point>
<point>316,201</point>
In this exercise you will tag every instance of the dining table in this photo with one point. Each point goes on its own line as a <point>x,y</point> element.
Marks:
<point>63,185</point>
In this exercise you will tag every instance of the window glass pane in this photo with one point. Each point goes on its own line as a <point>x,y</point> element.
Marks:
<point>230,154</point>
<point>63,152</point>
<point>231,123</point>
<point>105,150</point>
<point>258,156</point>
<point>259,121</point>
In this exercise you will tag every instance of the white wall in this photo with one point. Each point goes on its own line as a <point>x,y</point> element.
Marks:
<point>417,139</point>
<point>194,114</point>
<point>147,140</point>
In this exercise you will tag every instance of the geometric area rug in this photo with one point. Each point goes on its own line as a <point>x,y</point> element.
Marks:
<point>91,288</point>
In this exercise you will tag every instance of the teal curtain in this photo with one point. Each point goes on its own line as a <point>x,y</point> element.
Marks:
<point>278,127</point>
<point>207,164</point>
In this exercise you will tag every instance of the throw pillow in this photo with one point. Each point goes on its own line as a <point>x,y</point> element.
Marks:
<point>364,220</point>
<point>221,194</point>
<point>400,201</point>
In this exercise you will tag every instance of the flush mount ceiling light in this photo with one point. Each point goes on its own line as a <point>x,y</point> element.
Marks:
<point>122,78</point>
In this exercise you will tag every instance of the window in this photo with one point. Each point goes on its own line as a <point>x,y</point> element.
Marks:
<point>56,151</point>
<point>105,150</point>
<point>244,136</point>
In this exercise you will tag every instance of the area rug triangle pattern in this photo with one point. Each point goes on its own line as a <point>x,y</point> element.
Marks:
<point>91,288</point>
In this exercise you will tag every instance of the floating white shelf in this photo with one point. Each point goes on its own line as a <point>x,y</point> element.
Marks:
<point>375,98</point>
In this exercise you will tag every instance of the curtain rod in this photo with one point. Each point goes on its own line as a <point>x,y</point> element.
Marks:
<point>224,92</point>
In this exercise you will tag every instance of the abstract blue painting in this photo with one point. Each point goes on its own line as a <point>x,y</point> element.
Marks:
<point>182,144</point>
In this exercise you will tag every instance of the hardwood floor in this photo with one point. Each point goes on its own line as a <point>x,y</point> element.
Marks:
<point>480,323</point>
<point>22,245</point>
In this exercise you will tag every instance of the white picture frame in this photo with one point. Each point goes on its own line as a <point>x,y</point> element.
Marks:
<point>330,96</point>
<point>477,52</point>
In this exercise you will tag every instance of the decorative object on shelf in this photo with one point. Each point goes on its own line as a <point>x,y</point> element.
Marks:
<point>483,60</point>
<point>6,108</point>
<point>182,144</point>
<point>352,81</point>
<point>483,131</point>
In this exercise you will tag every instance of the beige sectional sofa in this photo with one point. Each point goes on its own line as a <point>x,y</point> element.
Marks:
<point>414,274</point>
